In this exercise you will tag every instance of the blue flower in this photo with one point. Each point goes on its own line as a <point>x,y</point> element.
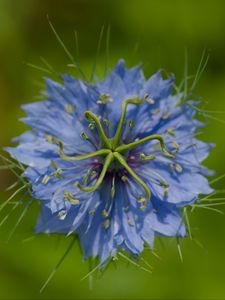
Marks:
<point>113,162</point>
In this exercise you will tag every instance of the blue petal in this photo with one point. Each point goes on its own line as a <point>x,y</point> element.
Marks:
<point>157,88</point>
<point>84,95</point>
<point>133,78</point>
<point>56,123</point>
<point>165,220</point>
<point>132,238</point>
<point>49,222</point>
<point>36,153</point>
<point>183,189</point>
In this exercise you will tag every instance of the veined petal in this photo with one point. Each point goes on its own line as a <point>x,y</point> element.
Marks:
<point>181,190</point>
<point>165,219</point>
<point>158,88</point>
<point>36,153</point>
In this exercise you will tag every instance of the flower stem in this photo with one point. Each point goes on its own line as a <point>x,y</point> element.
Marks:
<point>108,160</point>
<point>144,140</point>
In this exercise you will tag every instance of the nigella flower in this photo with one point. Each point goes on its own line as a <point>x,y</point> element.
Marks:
<point>113,162</point>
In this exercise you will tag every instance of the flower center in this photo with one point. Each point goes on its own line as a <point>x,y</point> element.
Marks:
<point>113,150</point>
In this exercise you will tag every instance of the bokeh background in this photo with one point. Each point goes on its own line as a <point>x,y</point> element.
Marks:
<point>157,34</point>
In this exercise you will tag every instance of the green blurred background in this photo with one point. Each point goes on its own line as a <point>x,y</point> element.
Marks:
<point>155,33</point>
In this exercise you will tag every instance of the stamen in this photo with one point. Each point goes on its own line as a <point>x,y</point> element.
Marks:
<point>146,157</point>
<point>84,136</point>
<point>92,212</point>
<point>106,122</point>
<point>45,179</point>
<point>175,146</point>
<point>106,224</point>
<point>131,124</point>
<point>163,184</point>
<point>165,187</point>
<point>144,140</point>
<point>143,202</point>
<point>124,178</point>
<point>91,126</point>
<point>93,173</point>
<point>104,99</point>
<point>62,215</point>
<point>105,214</point>
<point>89,174</point>
<point>122,161</point>
<point>91,117</point>
<point>69,197</point>
<point>70,109</point>
<point>140,199</point>
<point>151,101</point>
<point>165,115</point>
<point>50,139</point>
<point>136,101</point>
<point>178,168</point>
<point>113,189</point>
<point>57,174</point>
<point>170,132</point>
<point>53,165</point>
<point>101,152</point>
<point>143,206</point>
<point>131,222</point>
<point>108,160</point>
<point>155,111</point>
<point>166,191</point>
<point>126,208</point>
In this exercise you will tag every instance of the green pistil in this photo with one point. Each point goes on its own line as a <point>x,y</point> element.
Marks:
<point>117,136</point>
<point>91,117</point>
<point>158,137</point>
<point>101,152</point>
<point>112,150</point>
<point>122,161</point>
<point>109,158</point>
